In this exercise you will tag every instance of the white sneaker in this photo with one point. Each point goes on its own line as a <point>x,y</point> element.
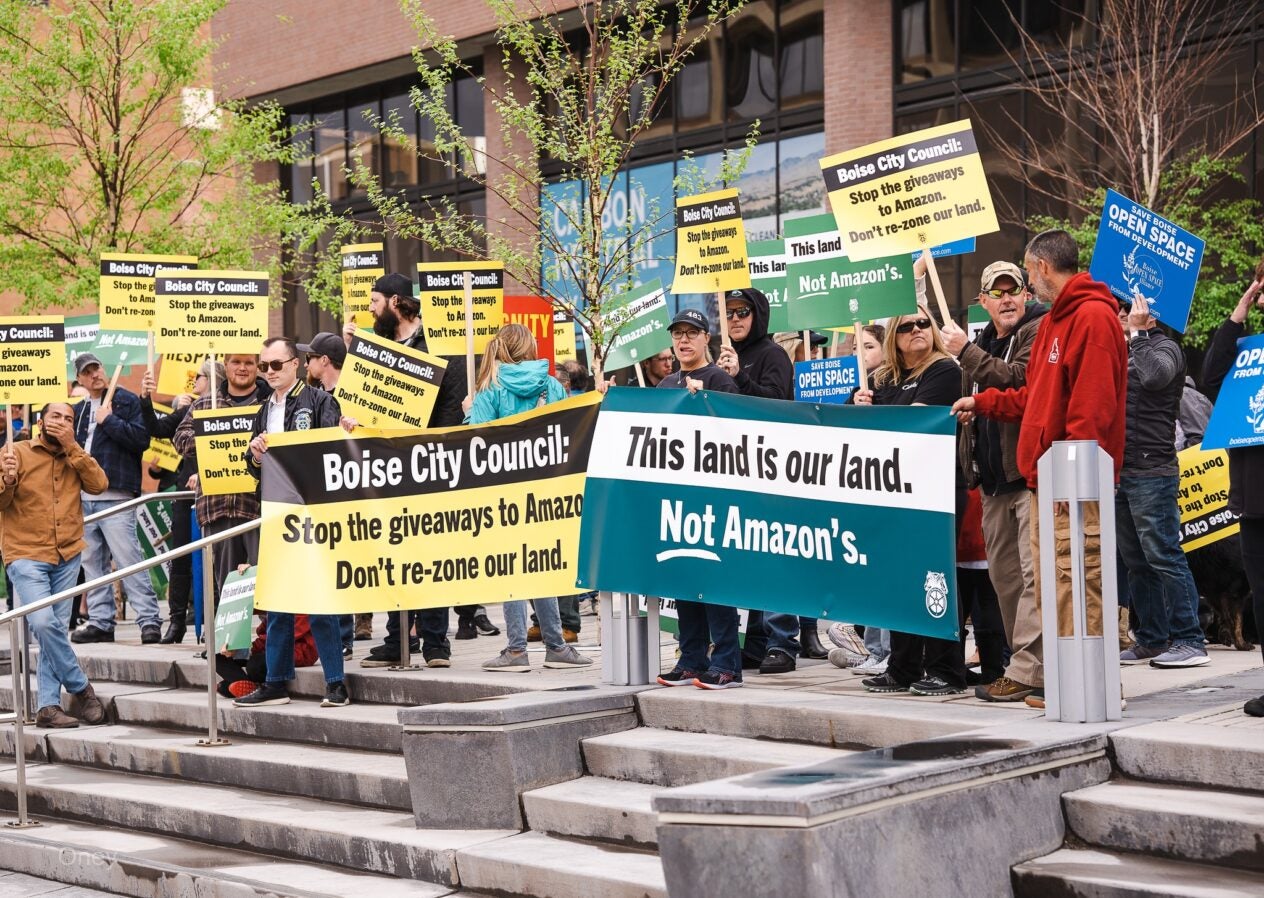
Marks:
<point>871,667</point>
<point>844,636</point>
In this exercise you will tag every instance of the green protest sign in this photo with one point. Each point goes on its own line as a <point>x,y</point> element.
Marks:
<point>121,347</point>
<point>826,289</point>
<point>81,334</point>
<point>233,617</point>
<point>767,261</point>
<point>642,323</point>
<point>153,527</point>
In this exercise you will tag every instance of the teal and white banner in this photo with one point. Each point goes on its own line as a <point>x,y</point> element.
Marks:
<point>845,513</point>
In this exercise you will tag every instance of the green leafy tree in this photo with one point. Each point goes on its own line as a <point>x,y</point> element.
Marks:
<point>107,145</point>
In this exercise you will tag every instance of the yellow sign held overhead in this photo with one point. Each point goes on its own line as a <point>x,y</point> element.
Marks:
<point>910,192</point>
<point>211,312</point>
<point>564,348</point>
<point>442,297</point>
<point>362,264</point>
<point>710,244</point>
<point>32,360</point>
<point>221,437</point>
<point>387,385</point>
<point>127,288</point>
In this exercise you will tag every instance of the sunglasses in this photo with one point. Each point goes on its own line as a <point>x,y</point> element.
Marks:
<point>922,324</point>
<point>997,294</point>
<point>274,365</point>
<point>744,312</point>
<point>311,355</point>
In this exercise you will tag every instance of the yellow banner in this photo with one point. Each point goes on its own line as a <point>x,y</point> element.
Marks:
<point>564,349</point>
<point>127,288</point>
<point>710,244</point>
<point>177,372</point>
<point>387,385</point>
<point>362,264</point>
<point>32,360</point>
<point>161,452</point>
<point>221,437</point>
<point>1203,497</point>
<point>909,193</point>
<point>385,521</point>
<point>211,312</point>
<point>442,297</point>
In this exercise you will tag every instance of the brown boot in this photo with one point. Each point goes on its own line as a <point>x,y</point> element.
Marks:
<point>363,627</point>
<point>54,718</point>
<point>87,707</point>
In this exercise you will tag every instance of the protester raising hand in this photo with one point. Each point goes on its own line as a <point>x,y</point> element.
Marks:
<point>1252,294</point>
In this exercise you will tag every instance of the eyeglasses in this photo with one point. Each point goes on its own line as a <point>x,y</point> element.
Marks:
<point>997,294</point>
<point>744,312</point>
<point>311,355</point>
<point>275,365</point>
<point>686,333</point>
<point>922,324</point>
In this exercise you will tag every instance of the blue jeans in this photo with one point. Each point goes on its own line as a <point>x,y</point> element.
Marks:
<point>1148,531</point>
<point>703,624</point>
<point>546,613</point>
<point>878,642</point>
<point>58,666</point>
<point>115,537</point>
<point>783,633</point>
<point>280,645</point>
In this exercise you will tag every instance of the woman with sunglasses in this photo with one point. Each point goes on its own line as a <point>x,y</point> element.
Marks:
<point>917,371</point>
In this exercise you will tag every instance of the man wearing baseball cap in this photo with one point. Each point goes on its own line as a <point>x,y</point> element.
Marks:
<point>324,357</point>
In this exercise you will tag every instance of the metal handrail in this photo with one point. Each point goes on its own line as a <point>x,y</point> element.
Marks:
<point>144,499</point>
<point>18,615</point>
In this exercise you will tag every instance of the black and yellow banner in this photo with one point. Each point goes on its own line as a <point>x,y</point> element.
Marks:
<point>362,264</point>
<point>441,293</point>
<point>161,452</point>
<point>211,312</point>
<point>1203,497</point>
<point>32,359</point>
<point>221,437</point>
<point>468,514</point>
<point>710,244</point>
<point>127,288</point>
<point>387,385</point>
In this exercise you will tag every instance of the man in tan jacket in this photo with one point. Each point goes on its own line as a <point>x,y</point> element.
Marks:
<point>40,485</point>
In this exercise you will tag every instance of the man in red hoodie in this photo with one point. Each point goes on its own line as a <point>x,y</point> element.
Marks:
<point>1077,389</point>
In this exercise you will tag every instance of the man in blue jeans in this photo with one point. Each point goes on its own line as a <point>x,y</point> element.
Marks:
<point>1147,522</point>
<point>40,485</point>
<point>113,433</point>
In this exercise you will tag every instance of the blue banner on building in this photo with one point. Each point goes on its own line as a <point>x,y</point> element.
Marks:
<point>1237,420</point>
<point>841,513</point>
<point>826,380</point>
<point>1138,251</point>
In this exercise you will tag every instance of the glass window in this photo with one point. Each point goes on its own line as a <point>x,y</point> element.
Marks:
<point>693,90</point>
<point>988,33</point>
<point>925,39</point>
<point>750,89</point>
<point>802,54</point>
<point>399,156</point>
<point>301,168</point>
<point>363,140</point>
<point>802,187</point>
<point>331,152</point>
<point>758,187</point>
<point>432,167</point>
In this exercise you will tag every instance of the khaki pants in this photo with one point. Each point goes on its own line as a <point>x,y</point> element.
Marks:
<point>1012,569</point>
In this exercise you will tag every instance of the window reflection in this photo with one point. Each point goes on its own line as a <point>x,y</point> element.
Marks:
<point>362,147</point>
<point>802,54</point>
<point>301,168</point>
<point>750,87</point>
<point>399,152</point>
<point>331,152</point>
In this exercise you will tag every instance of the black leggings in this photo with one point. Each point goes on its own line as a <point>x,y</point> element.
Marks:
<point>1253,562</point>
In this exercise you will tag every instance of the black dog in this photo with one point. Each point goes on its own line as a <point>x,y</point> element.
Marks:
<point>1222,583</point>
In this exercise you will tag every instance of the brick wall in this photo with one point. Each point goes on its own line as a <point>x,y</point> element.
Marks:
<point>858,73</point>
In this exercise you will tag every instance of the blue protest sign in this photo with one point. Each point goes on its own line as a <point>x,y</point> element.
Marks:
<point>955,248</point>
<point>826,380</point>
<point>1138,251</point>
<point>1237,419</point>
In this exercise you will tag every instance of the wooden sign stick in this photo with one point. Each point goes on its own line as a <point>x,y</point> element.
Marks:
<point>833,344</point>
<point>214,386</point>
<point>723,311</point>
<point>118,369</point>
<point>860,358</point>
<point>468,281</point>
<point>640,375</point>
<point>149,348</point>
<point>939,288</point>
<point>807,345</point>
<point>8,427</point>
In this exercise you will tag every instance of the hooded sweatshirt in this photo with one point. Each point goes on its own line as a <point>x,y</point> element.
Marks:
<point>522,386</point>
<point>764,369</point>
<point>1077,379</point>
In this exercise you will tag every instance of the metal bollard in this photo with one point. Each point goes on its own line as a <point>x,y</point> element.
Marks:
<point>629,642</point>
<point>212,739</point>
<point>1081,670</point>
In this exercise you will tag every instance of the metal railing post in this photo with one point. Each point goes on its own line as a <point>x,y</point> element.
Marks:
<point>405,650</point>
<point>212,739</point>
<point>25,638</point>
<point>19,739</point>
<point>1082,682</point>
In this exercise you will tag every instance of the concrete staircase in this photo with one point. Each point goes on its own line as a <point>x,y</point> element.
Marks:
<point>1184,816</point>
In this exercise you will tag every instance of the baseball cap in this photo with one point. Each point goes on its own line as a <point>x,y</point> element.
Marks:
<point>83,360</point>
<point>746,295</point>
<point>999,270</point>
<point>692,318</point>
<point>393,284</point>
<point>328,344</point>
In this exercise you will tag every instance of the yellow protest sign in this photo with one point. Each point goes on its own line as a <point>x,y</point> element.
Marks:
<point>387,385</point>
<point>221,437</point>
<point>32,360</point>
<point>442,297</point>
<point>710,244</point>
<point>362,264</point>
<point>127,288</point>
<point>382,521</point>
<point>161,452</point>
<point>910,192</point>
<point>177,372</point>
<point>564,349</point>
<point>1203,497</point>
<point>211,312</point>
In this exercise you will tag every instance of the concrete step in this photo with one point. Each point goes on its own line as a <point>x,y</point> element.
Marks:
<point>83,856</point>
<point>666,758</point>
<point>1078,873</point>
<point>362,839</point>
<point>595,807</point>
<point>1224,757</point>
<point>549,867</point>
<point>373,779</point>
<point>1198,825</point>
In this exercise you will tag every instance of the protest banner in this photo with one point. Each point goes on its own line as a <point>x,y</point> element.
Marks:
<point>826,289</point>
<point>826,380</point>
<point>1203,497</point>
<point>81,333</point>
<point>767,262</point>
<point>710,244</point>
<point>955,248</point>
<point>32,360</point>
<point>977,319</point>
<point>221,437</point>
<point>127,301</point>
<point>535,313</point>
<point>177,372</point>
<point>1139,251</point>
<point>362,264</point>
<point>441,291</point>
<point>384,521</point>
<point>234,616</point>
<point>564,348</point>
<point>719,495</point>
<point>640,319</point>
<point>211,312</point>
<point>386,384</point>
<point>153,529</point>
<point>160,452</point>
<point>116,348</point>
<point>1237,418</point>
